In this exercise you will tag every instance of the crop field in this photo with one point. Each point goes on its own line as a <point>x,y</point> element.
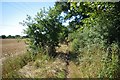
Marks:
<point>11,46</point>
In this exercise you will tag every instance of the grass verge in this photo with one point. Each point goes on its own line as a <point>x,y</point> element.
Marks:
<point>11,65</point>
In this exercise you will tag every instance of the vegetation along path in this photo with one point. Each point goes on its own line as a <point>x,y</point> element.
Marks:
<point>63,66</point>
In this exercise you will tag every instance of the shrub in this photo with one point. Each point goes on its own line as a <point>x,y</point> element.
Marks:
<point>111,63</point>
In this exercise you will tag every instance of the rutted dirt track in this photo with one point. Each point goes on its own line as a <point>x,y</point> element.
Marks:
<point>71,68</point>
<point>51,68</point>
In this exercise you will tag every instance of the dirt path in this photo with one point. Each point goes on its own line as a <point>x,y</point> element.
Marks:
<point>72,70</point>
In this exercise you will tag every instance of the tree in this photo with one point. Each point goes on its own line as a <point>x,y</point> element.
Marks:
<point>17,36</point>
<point>45,31</point>
<point>90,14</point>
<point>10,36</point>
<point>3,36</point>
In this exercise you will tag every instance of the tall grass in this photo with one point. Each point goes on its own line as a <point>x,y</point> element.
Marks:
<point>96,61</point>
<point>110,61</point>
<point>11,65</point>
<point>45,66</point>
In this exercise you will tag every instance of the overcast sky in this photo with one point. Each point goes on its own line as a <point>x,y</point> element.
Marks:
<point>15,12</point>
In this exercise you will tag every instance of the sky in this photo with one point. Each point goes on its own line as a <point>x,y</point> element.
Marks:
<point>15,12</point>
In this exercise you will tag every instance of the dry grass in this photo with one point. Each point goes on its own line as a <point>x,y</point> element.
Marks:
<point>63,48</point>
<point>12,64</point>
<point>43,69</point>
<point>73,71</point>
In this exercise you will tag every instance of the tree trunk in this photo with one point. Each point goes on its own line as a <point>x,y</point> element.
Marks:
<point>51,51</point>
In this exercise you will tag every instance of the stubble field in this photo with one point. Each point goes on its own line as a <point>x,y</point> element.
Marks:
<point>9,47</point>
